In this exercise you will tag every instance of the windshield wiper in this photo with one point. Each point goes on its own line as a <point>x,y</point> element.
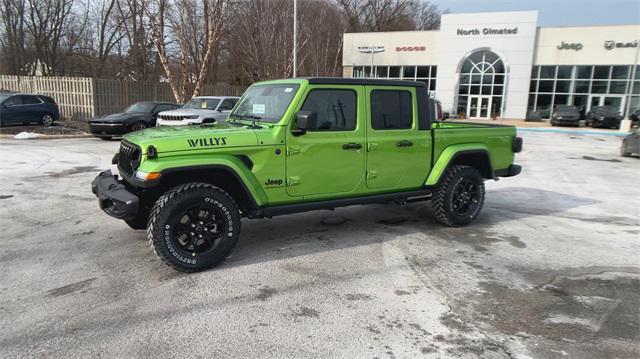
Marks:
<point>253,118</point>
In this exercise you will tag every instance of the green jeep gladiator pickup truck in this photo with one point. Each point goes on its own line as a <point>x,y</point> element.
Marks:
<point>298,145</point>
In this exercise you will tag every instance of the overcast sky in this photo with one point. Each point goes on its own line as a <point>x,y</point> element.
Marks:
<point>556,12</point>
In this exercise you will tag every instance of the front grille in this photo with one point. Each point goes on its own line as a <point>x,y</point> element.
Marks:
<point>172,118</point>
<point>129,158</point>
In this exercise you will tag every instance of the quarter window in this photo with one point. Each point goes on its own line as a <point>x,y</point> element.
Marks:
<point>391,110</point>
<point>336,109</point>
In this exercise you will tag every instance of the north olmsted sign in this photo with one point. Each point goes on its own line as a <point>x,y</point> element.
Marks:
<point>487,31</point>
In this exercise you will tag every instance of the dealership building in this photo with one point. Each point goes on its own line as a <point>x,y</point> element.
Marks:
<point>501,64</point>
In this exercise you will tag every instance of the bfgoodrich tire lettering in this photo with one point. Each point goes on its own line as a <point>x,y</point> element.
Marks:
<point>194,226</point>
<point>459,197</point>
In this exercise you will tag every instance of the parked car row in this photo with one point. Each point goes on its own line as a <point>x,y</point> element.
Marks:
<point>22,108</point>
<point>599,116</point>
<point>199,110</point>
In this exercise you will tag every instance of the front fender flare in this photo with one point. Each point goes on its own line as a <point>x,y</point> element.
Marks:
<point>230,163</point>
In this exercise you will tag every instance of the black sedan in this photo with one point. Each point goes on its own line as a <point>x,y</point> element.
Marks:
<point>635,118</point>
<point>603,116</point>
<point>134,118</point>
<point>631,144</point>
<point>566,115</point>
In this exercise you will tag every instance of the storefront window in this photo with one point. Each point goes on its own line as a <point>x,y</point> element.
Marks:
<point>394,71</point>
<point>620,72</point>
<point>547,72</point>
<point>601,72</point>
<point>584,72</point>
<point>564,72</point>
<point>582,86</point>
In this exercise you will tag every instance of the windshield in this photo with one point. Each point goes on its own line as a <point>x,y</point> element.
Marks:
<point>604,109</point>
<point>145,107</point>
<point>265,102</point>
<point>4,96</point>
<point>202,104</point>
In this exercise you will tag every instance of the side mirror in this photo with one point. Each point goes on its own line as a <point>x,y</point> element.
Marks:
<point>305,120</point>
<point>445,115</point>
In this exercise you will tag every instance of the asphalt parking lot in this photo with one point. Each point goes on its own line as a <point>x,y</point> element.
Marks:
<point>551,269</point>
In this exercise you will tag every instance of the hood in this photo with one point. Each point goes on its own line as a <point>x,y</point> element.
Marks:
<point>187,112</point>
<point>193,137</point>
<point>115,117</point>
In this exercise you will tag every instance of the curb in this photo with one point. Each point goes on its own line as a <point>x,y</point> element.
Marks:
<point>45,137</point>
<point>572,132</point>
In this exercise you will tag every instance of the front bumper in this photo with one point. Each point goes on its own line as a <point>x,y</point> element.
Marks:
<point>114,198</point>
<point>184,122</point>
<point>107,128</point>
<point>513,170</point>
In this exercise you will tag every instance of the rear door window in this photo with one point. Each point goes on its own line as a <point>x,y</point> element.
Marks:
<point>30,100</point>
<point>391,110</point>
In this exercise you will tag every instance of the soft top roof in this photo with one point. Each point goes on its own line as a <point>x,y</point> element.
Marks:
<point>359,81</point>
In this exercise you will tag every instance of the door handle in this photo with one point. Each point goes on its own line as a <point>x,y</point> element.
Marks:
<point>404,143</point>
<point>351,146</point>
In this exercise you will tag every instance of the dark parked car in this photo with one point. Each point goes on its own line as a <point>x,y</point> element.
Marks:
<point>566,115</point>
<point>631,144</point>
<point>21,109</point>
<point>603,116</point>
<point>635,118</point>
<point>134,118</point>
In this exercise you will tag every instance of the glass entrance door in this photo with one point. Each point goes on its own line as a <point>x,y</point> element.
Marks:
<point>479,107</point>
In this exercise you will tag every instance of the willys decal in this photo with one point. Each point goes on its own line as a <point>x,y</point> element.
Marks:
<point>207,142</point>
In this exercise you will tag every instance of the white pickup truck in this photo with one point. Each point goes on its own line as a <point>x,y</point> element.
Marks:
<point>200,109</point>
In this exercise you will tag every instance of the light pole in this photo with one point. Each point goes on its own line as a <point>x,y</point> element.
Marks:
<point>625,126</point>
<point>295,38</point>
<point>371,50</point>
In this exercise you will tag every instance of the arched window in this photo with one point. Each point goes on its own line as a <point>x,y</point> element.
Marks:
<point>481,85</point>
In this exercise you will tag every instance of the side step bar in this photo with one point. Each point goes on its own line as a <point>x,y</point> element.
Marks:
<point>401,197</point>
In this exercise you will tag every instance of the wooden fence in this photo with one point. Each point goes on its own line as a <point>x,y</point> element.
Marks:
<point>84,98</point>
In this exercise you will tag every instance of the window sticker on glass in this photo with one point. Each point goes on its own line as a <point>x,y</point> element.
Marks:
<point>203,105</point>
<point>259,108</point>
<point>288,89</point>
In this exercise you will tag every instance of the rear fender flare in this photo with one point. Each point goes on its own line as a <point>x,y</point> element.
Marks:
<point>448,156</point>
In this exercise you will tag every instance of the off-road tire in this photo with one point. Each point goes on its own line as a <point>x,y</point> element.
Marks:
<point>168,210</point>
<point>443,196</point>
<point>138,126</point>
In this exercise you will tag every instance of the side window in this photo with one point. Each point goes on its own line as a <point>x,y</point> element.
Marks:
<point>391,110</point>
<point>336,109</point>
<point>227,105</point>
<point>30,100</point>
<point>12,101</point>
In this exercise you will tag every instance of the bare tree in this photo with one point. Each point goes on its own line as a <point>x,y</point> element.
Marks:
<point>176,44</point>
<point>389,15</point>
<point>109,32</point>
<point>426,16</point>
<point>13,13</point>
